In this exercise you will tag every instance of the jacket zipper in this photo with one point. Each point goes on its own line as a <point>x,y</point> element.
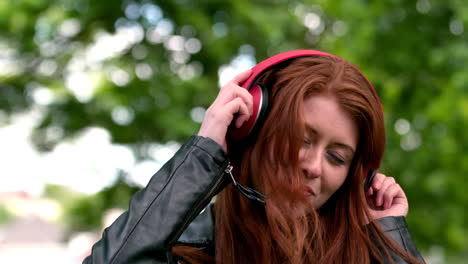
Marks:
<point>251,194</point>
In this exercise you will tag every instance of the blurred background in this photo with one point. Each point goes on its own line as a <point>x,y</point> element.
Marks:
<point>96,95</point>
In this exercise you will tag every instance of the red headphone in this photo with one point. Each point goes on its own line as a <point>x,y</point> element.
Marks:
<point>260,95</point>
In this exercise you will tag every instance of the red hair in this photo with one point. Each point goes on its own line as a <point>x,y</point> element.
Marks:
<point>288,229</point>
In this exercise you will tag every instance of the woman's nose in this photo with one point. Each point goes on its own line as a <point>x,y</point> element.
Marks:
<point>311,163</point>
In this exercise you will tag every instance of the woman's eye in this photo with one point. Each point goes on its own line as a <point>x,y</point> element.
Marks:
<point>307,142</point>
<point>336,159</point>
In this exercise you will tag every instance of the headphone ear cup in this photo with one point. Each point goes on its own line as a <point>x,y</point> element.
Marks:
<point>369,178</point>
<point>264,108</point>
<point>261,100</point>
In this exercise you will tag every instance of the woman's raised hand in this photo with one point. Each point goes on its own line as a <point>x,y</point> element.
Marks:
<point>386,198</point>
<point>231,100</point>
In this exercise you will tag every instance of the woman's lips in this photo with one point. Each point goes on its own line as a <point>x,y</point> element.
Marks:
<point>308,191</point>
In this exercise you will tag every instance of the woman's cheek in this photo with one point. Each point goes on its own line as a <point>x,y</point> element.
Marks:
<point>338,180</point>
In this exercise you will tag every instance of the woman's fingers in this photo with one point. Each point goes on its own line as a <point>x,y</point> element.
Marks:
<point>386,198</point>
<point>241,77</point>
<point>232,91</point>
<point>390,193</point>
<point>232,100</point>
<point>238,106</point>
<point>381,183</point>
<point>378,180</point>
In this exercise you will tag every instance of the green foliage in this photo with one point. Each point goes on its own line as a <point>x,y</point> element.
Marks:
<point>60,193</point>
<point>414,52</point>
<point>5,215</point>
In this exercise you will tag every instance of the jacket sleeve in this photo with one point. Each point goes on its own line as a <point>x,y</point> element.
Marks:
<point>160,212</point>
<point>397,229</point>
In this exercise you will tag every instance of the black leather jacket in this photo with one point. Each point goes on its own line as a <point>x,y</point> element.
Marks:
<point>170,211</point>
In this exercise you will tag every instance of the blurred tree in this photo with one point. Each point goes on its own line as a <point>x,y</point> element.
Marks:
<point>5,215</point>
<point>86,213</point>
<point>144,70</point>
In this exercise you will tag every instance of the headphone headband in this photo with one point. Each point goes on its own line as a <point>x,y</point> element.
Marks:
<point>259,93</point>
<point>288,55</point>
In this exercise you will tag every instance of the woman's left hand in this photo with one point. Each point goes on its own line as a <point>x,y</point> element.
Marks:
<point>386,198</point>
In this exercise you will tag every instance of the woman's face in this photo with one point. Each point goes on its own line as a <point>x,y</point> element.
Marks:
<point>329,145</point>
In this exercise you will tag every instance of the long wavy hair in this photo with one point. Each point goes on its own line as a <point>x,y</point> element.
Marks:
<point>288,229</point>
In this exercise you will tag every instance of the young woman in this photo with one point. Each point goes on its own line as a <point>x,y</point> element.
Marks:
<point>318,129</point>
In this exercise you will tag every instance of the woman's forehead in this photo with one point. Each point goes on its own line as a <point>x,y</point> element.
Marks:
<point>323,115</point>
